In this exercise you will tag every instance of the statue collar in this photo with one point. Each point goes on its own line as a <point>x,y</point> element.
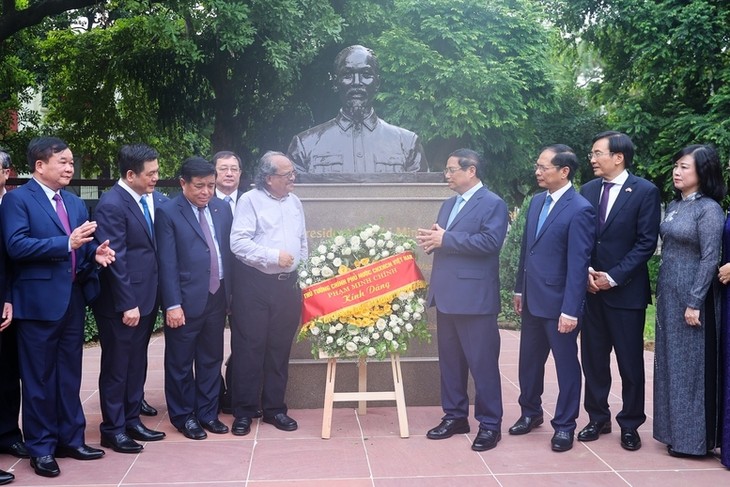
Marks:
<point>345,122</point>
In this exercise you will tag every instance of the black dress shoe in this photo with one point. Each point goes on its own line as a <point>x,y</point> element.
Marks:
<point>677,454</point>
<point>486,440</point>
<point>45,466</point>
<point>562,441</point>
<point>6,477</point>
<point>281,421</point>
<point>146,409</point>
<point>191,429</point>
<point>141,432</point>
<point>448,428</point>
<point>593,430</point>
<point>525,424</point>
<point>17,449</point>
<point>83,452</point>
<point>215,426</point>
<point>630,439</point>
<point>121,443</point>
<point>241,426</point>
<point>259,414</point>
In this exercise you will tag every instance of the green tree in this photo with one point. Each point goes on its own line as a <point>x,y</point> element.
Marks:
<point>665,72</point>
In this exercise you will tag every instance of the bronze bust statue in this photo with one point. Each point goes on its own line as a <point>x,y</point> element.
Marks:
<point>356,140</point>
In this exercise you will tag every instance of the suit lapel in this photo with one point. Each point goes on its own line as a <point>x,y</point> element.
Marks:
<point>468,206</point>
<point>217,223</point>
<point>560,205</point>
<point>626,191</point>
<point>187,213</point>
<point>45,203</point>
<point>134,209</point>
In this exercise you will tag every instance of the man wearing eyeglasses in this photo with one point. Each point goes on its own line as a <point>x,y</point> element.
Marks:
<point>228,173</point>
<point>550,292</point>
<point>465,241</point>
<point>269,240</point>
<point>628,211</point>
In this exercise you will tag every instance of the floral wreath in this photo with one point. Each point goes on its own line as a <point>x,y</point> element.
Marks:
<point>378,327</point>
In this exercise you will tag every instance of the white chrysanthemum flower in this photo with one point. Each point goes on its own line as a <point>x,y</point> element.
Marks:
<point>376,335</point>
<point>316,272</point>
<point>303,274</point>
<point>403,296</point>
<point>419,308</point>
<point>372,252</point>
<point>395,306</point>
<point>381,324</point>
<point>327,272</point>
<point>350,346</point>
<point>371,351</point>
<point>302,285</point>
<point>411,294</point>
<point>322,249</point>
<point>399,249</point>
<point>385,253</point>
<point>417,316</point>
<point>396,330</point>
<point>389,244</point>
<point>363,235</point>
<point>340,342</point>
<point>409,327</point>
<point>388,335</point>
<point>309,281</point>
<point>421,301</point>
<point>409,308</point>
<point>315,260</point>
<point>380,243</point>
<point>375,228</point>
<point>355,240</point>
<point>337,262</point>
<point>329,340</point>
<point>364,340</point>
<point>353,331</point>
<point>395,345</point>
<point>339,326</point>
<point>406,315</point>
<point>340,240</point>
<point>347,251</point>
<point>407,246</point>
<point>330,256</point>
<point>388,235</point>
<point>370,243</point>
<point>356,339</point>
<point>314,331</point>
<point>371,329</point>
<point>332,330</point>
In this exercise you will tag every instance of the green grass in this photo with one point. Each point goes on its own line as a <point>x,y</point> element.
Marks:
<point>649,323</point>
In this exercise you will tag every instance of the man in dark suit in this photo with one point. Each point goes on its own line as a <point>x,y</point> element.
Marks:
<point>128,303</point>
<point>228,176</point>
<point>9,378</point>
<point>193,231</point>
<point>466,240</point>
<point>550,292</point>
<point>11,438</point>
<point>628,215</point>
<point>50,240</point>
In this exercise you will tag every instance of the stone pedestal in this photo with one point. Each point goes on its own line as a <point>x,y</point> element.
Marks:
<point>401,207</point>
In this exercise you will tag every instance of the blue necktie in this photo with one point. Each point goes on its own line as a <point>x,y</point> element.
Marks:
<point>543,213</point>
<point>146,211</point>
<point>455,210</point>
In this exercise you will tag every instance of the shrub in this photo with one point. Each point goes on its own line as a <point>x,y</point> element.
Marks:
<point>509,259</point>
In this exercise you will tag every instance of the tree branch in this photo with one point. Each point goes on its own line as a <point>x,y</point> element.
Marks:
<point>12,20</point>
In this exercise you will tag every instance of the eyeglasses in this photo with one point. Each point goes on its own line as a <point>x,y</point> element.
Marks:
<point>287,175</point>
<point>542,169</point>
<point>452,170</point>
<point>597,154</point>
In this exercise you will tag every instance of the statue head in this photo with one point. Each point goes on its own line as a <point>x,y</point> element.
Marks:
<point>356,80</point>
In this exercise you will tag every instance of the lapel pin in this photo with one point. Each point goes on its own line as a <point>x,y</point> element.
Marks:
<point>628,190</point>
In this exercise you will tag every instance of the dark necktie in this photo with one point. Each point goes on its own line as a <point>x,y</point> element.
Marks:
<point>147,216</point>
<point>215,282</point>
<point>603,204</point>
<point>63,216</point>
<point>543,213</point>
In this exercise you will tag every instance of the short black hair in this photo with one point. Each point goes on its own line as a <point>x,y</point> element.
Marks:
<point>468,157</point>
<point>618,142</point>
<point>564,157</point>
<point>193,167</point>
<point>133,156</point>
<point>708,169</point>
<point>43,148</point>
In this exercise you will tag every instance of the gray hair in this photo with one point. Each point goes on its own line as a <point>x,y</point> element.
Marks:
<point>5,159</point>
<point>266,168</point>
